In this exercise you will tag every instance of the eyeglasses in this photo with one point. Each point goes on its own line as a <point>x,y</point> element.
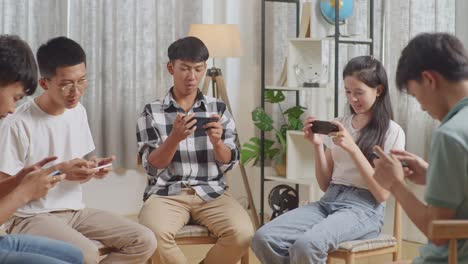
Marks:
<point>67,89</point>
<point>78,86</point>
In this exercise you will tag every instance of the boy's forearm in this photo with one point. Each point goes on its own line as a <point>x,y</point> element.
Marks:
<point>7,185</point>
<point>162,156</point>
<point>366,171</point>
<point>11,202</point>
<point>222,153</point>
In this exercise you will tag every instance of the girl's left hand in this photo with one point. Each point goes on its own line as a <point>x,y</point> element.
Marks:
<point>343,139</point>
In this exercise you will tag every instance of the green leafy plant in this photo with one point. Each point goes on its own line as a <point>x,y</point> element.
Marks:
<point>291,121</point>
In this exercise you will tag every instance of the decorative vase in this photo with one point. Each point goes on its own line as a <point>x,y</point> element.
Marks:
<point>280,168</point>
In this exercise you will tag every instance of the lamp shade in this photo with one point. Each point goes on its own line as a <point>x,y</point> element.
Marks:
<point>222,40</point>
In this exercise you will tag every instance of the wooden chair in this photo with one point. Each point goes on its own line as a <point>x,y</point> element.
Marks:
<point>383,244</point>
<point>451,230</point>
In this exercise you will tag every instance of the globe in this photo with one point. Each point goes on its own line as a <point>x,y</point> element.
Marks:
<point>327,8</point>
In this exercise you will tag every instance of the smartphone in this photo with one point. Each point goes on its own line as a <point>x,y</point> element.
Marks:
<point>323,127</point>
<point>374,155</point>
<point>55,173</point>
<point>201,121</point>
<point>103,166</point>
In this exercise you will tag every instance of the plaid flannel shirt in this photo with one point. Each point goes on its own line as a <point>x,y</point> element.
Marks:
<point>193,164</point>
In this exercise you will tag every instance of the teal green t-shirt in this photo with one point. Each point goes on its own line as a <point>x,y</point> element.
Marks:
<point>447,178</point>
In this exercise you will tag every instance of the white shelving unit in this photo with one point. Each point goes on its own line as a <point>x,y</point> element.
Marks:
<point>305,181</point>
<point>300,157</point>
<point>297,88</point>
<point>271,175</point>
<point>351,40</point>
<point>300,165</point>
<point>305,52</point>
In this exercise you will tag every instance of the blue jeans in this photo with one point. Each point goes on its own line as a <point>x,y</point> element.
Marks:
<point>306,234</point>
<point>20,249</point>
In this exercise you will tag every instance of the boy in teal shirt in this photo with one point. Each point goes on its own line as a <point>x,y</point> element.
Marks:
<point>433,68</point>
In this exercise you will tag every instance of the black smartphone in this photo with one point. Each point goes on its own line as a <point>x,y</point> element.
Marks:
<point>201,121</point>
<point>374,155</point>
<point>323,127</point>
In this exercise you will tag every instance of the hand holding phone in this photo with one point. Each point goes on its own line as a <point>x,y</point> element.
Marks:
<point>323,127</point>
<point>103,166</point>
<point>55,173</point>
<point>201,121</point>
<point>374,155</point>
<point>58,172</point>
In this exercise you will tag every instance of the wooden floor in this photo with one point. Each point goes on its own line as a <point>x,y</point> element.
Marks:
<point>410,250</point>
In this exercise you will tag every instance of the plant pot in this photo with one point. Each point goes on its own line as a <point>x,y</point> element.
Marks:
<point>280,168</point>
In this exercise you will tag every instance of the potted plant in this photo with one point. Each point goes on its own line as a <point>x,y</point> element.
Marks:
<point>275,152</point>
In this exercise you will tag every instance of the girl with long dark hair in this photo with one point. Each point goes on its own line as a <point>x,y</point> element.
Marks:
<point>353,204</point>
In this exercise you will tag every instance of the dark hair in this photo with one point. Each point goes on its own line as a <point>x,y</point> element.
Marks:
<point>59,52</point>
<point>372,73</point>
<point>188,49</point>
<point>17,63</point>
<point>440,52</point>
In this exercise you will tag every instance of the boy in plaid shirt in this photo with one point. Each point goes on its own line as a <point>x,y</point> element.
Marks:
<point>186,163</point>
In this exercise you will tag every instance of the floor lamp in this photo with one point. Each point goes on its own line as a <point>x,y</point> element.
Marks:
<point>222,41</point>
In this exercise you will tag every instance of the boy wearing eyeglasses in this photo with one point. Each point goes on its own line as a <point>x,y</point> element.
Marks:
<point>18,77</point>
<point>55,123</point>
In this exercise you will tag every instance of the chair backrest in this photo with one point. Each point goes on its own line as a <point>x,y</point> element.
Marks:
<point>451,230</point>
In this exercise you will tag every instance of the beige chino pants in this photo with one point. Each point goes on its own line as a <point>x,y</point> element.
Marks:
<point>133,242</point>
<point>224,217</point>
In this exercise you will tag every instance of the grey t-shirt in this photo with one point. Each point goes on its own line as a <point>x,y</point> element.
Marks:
<point>447,178</point>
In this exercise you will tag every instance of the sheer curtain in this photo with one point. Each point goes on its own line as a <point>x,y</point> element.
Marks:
<point>126,44</point>
<point>35,21</point>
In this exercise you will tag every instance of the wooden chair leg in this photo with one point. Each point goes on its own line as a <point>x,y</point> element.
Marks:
<point>349,259</point>
<point>245,258</point>
<point>453,259</point>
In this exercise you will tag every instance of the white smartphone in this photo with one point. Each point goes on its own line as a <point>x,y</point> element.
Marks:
<point>103,166</point>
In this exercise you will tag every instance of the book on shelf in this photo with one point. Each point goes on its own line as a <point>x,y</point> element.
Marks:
<point>304,27</point>
<point>284,74</point>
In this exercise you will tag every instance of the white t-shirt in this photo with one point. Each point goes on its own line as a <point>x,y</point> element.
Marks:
<point>30,134</point>
<point>345,171</point>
